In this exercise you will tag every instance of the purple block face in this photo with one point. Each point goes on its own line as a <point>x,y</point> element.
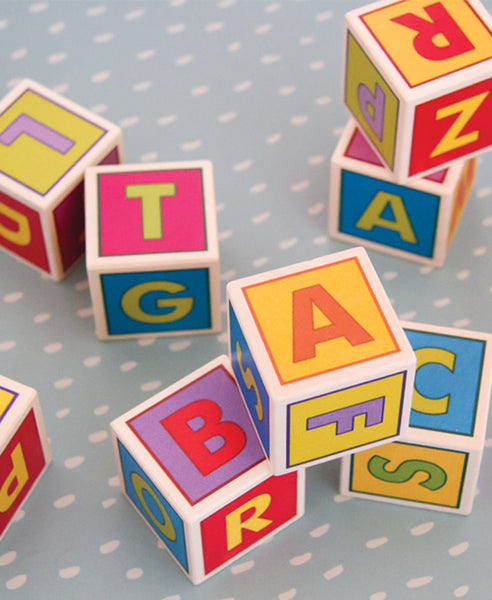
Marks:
<point>201,435</point>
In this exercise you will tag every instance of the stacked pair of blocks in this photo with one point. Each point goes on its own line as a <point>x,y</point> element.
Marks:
<point>319,366</point>
<point>417,84</point>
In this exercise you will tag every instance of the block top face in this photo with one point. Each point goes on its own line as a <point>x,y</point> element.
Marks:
<point>200,434</point>
<point>153,209</point>
<point>452,381</point>
<point>426,40</point>
<point>44,138</point>
<point>320,317</point>
<point>7,399</point>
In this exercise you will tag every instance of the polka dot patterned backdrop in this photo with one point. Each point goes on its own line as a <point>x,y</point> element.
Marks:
<point>254,86</point>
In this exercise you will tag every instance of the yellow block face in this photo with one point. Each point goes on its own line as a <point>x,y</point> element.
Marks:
<point>345,419</point>
<point>410,472</point>
<point>6,397</point>
<point>426,39</point>
<point>41,141</point>
<point>319,320</point>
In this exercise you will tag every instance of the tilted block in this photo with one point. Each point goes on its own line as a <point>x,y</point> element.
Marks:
<point>436,464</point>
<point>418,81</point>
<point>46,143</point>
<point>191,464</point>
<point>320,358</point>
<point>152,250</point>
<point>24,447</point>
<point>416,221</point>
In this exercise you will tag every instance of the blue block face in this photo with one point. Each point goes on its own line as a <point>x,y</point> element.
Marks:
<point>249,380</point>
<point>396,216</point>
<point>148,302</point>
<point>447,381</point>
<point>153,506</point>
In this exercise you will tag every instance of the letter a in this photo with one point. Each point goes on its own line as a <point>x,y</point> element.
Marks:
<point>371,217</point>
<point>18,474</point>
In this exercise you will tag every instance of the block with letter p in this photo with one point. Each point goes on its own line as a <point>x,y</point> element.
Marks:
<point>46,143</point>
<point>436,463</point>
<point>418,81</point>
<point>24,448</point>
<point>152,249</point>
<point>320,358</point>
<point>191,464</point>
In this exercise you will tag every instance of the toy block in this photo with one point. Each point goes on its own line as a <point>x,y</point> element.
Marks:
<point>46,143</point>
<point>436,463</point>
<point>417,78</point>
<point>152,250</point>
<point>321,359</point>
<point>190,462</point>
<point>24,448</point>
<point>367,206</point>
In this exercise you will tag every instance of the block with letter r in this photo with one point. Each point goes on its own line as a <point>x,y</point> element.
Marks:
<point>192,465</point>
<point>417,80</point>
<point>46,143</point>
<point>152,250</point>
<point>320,358</point>
<point>436,464</point>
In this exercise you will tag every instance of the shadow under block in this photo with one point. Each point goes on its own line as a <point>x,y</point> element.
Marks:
<point>46,143</point>
<point>321,359</point>
<point>417,78</point>
<point>415,221</point>
<point>436,464</point>
<point>190,462</point>
<point>24,447</point>
<point>152,250</point>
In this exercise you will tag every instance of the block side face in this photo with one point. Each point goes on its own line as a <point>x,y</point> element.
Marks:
<point>201,435</point>
<point>461,195</point>
<point>245,521</point>
<point>416,473</point>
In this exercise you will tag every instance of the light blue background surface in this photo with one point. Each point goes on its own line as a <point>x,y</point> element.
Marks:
<point>255,87</point>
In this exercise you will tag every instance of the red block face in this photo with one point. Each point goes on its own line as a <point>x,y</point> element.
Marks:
<point>21,463</point>
<point>248,519</point>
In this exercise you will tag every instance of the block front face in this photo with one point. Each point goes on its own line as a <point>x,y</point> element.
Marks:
<point>21,462</point>
<point>333,423</point>
<point>248,519</point>
<point>426,40</point>
<point>149,302</point>
<point>415,473</point>
<point>45,136</point>
<point>152,505</point>
<point>201,436</point>
<point>311,324</point>
<point>158,211</point>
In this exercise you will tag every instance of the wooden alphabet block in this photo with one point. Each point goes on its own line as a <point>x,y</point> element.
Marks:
<point>46,143</point>
<point>152,250</point>
<point>436,463</point>
<point>418,81</point>
<point>24,447</point>
<point>320,358</point>
<point>416,221</point>
<point>191,464</point>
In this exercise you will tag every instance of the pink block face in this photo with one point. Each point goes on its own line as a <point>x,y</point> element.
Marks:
<point>144,212</point>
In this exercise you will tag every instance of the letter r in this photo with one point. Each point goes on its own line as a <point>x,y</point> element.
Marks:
<point>236,521</point>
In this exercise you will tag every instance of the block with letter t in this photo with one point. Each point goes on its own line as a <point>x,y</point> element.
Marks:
<point>415,221</point>
<point>417,78</point>
<point>24,447</point>
<point>320,358</point>
<point>46,143</point>
<point>152,250</point>
<point>436,464</point>
<point>191,463</point>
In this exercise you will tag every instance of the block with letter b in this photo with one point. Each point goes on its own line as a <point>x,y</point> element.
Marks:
<point>152,250</point>
<point>320,358</point>
<point>418,81</point>
<point>436,463</point>
<point>24,448</point>
<point>416,221</point>
<point>46,143</point>
<point>191,464</point>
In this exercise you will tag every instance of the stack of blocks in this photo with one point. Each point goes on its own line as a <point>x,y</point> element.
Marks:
<point>417,82</point>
